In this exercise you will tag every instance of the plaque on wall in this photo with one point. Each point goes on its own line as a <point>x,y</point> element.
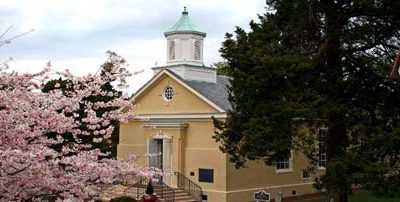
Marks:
<point>261,196</point>
<point>206,175</point>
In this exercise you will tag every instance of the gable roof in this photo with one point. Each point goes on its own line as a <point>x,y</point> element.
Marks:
<point>215,94</point>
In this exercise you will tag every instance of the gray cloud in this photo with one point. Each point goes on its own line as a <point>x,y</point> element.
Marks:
<point>76,31</point>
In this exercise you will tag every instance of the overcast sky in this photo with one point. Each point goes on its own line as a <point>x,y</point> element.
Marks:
<point>75,34</point>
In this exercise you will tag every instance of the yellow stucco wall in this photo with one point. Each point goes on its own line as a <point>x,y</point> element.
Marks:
<point>193,147</point>
<point>258,176</point>
<point>151,101</point>
<point>130,143</point>
<point>202,151</point>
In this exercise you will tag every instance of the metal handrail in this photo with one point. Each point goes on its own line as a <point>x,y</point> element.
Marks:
<point>136,190</point>
<point>189,186</point>
<point>162,190</point>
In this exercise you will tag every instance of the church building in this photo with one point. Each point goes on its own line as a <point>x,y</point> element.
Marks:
<point>175,110</point>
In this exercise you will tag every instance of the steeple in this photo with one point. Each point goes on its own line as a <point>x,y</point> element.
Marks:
<point>185,51</point>
<point>184,42</point>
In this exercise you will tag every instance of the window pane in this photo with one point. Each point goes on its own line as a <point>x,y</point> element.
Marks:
<point>322,147</point>
<point>283,163</point>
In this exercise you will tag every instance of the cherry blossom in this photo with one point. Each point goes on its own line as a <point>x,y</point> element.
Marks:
<point>29,168</point>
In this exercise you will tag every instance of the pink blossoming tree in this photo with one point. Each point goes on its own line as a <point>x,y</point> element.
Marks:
<point>29,168</point>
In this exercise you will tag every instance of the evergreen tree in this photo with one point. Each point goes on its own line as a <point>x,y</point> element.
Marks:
<point>222,68</point>
<point>109,93</point>
<point>318,63</point>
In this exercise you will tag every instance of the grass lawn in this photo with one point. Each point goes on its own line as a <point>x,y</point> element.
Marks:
<point>365,197</point>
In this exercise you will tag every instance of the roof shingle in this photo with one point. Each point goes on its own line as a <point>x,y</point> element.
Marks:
<point>215,92</point>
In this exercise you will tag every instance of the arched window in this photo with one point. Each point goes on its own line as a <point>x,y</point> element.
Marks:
<point>172,50</point>
<point>197,50</point>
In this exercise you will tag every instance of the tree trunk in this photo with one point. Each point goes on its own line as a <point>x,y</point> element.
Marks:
<point>336,170</point>
<point>336,140</point>
<point>394,73</point>
<point>343,197</point>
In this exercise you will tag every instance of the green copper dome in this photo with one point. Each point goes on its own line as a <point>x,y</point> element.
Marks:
<point>184,25</point>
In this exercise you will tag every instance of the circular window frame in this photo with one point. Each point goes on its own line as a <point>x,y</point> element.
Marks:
<point>168,93</point>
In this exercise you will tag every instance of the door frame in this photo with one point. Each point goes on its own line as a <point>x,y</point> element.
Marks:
<point>162,136</point>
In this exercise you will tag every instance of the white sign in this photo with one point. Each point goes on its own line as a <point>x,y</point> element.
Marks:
<point>261,196</point>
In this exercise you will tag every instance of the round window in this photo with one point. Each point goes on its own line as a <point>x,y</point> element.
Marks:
<point>168,93</point>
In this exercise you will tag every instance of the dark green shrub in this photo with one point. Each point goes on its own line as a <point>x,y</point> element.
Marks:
<point>123,199</point>
<point>149,188</point>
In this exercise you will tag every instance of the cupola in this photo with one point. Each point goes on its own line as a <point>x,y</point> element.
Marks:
<point>184,42</point>
<point>185,52</point>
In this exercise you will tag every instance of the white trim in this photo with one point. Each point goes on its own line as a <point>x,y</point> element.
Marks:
<point>164,93</point>
<point>159,74</point>
<point>195,92</point>
<point>148,151</point>
<point>206,149</point>
<point>149,83</point>
<point>259,188</point>
<point>165,125</point>
<point>161,135</point>
<point>286,170</point>
<point>182,116</point>
<point>280,171</point>
<point>325,129</point>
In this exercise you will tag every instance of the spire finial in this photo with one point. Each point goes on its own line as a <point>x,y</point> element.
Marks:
<point>185,10</point>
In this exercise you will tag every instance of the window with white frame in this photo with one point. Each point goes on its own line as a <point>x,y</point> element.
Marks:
<point>283,163</point>
<point>322,147</point>
<point>168,93</point>
<point>305,174</point>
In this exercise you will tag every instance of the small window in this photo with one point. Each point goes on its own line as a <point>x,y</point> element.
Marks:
<point>204,197</point>
<point>306,174</point>
<point>168,93</point>
<point>283,163</point>
<point>206,175</point>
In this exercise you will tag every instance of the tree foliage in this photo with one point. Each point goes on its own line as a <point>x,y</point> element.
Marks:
<point>29,168</point>
<point>109,93</point>
<point>318,63</point>
<point>222,68</point>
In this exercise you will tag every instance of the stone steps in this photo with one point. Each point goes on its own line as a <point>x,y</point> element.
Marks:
<point>180,195</point>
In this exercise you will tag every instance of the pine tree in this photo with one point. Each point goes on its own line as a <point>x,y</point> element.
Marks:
<point>318,63</point>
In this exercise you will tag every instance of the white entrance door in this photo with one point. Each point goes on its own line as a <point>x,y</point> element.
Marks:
<point>155,153</point>
<point>160,151</point>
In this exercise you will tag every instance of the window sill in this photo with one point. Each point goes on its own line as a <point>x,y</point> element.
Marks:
<point>322,168</point>
<point>284,171</point>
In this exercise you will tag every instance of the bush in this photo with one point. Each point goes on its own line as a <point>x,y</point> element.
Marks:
<point>149,188</point>
<point>123,199</point>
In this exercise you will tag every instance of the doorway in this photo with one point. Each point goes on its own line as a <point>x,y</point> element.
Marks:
<point>160,150</point>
